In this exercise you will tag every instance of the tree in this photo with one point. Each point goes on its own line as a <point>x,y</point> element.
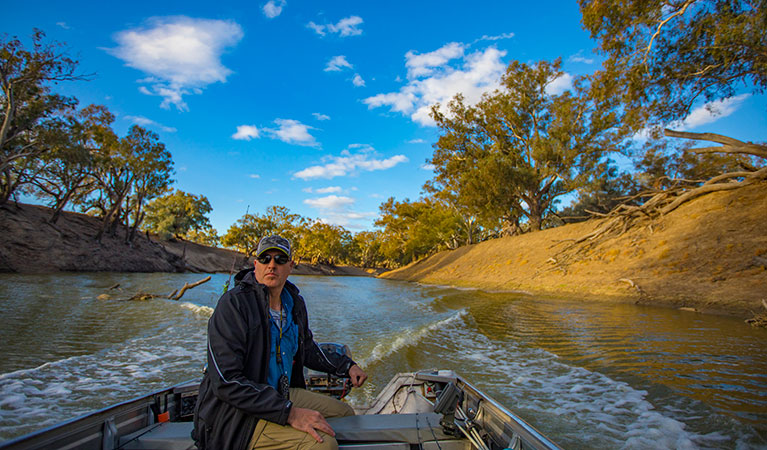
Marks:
<point>413,230</point>
<point>245,234</point>
<point>30,115</point>
<point>179,214</point>
<point>152,167</point>
<point>365,249</point>
<point>664,58</point>
<point>520,148</point>
<point>323,243</point>
<point>666,55</point>
<point>66,172</point>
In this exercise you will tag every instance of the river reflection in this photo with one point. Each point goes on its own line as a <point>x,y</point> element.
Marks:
<point>588,374</point>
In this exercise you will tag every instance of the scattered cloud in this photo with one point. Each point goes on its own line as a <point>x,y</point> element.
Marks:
<point>711,112</point>
<point>495,38</point>
<point>319,29</point>
<point>348,26</point>
<point>273,8</point>
<point>337,64</point>
<point>358,81</point>
<point>292,132</point>
<point>328,190</point>
<point>349,164</point>
<point>436,77</point>
<point>254,175</point>
<point>416,141</point>
<point>579,58</point>
<point>331,202</point>
<point>149,123</point>
<point>428,166</point>
<point>64,25</point>
<point>181,55</point>
<point>560,84</point>
<point>321,117</point>
<point>246,133</point>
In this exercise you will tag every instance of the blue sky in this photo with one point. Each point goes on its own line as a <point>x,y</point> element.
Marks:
<point>321,107</point>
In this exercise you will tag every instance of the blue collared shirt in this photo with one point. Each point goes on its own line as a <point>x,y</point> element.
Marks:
<point>288,343</point>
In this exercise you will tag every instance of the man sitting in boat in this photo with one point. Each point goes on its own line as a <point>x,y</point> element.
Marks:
<point>252,394</point>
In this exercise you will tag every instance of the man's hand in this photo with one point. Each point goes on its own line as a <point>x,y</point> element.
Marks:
<point>309,421</point>
<point>357,375</point>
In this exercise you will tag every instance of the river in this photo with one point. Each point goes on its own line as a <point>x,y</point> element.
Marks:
<point>587,374</point>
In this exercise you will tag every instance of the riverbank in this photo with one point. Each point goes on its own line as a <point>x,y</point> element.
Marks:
<point>31,244</point>
<point>709,255</point>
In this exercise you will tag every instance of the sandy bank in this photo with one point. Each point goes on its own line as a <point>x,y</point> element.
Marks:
<point>708,255</point>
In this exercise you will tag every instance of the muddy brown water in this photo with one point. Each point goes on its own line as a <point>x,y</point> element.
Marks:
<point>587,374</point>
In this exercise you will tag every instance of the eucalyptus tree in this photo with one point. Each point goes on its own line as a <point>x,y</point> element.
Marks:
<point>513,154</point>
<point>178,214</point>
<point>31,116</point>
<point>666,57</point>
<point>411,230</point>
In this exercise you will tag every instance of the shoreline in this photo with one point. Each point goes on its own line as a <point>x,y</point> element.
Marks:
<point>707,256</point>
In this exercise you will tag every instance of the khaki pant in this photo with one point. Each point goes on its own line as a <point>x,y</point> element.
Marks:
<point>273,436</point>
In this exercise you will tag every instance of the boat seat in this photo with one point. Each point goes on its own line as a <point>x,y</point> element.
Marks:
<point>163,436</point>
<point>413,428</point>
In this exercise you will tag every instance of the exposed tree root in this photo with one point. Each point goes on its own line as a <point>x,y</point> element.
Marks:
<point>628,215</point>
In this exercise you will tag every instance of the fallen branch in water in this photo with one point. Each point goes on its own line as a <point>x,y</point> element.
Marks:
<point>759,320</point>
<point>175,295</point>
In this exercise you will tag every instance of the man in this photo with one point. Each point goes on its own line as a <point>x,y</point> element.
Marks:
<point>252,394</point>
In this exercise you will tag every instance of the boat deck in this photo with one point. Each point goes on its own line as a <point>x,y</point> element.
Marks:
<point>386,431</point>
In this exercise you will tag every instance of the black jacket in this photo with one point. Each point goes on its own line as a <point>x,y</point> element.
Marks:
<point>234,393</point>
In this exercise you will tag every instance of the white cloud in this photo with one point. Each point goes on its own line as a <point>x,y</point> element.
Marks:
<point>435,80</point>
<point>348,26</point>
<point>579,58</point>
<point>416,141</point>
<point>358,81</point>
<point>64,25</point>
<point>424,64</point>
<point>560,84</point>
<point>292,132</point>
<point>711,112</point>
<point>348,163</point>
<point>328,190</point>
<point>321,117</point>
<point>331,202</point>
<point>145,122</point>
<point>496,38</point>
<point>246,133</point>
<point>254,175</point>
<point>428,166</point>
<point>319,29</point>
<point>337,63</point>
<point>181,55</point>
<point>273,8</point>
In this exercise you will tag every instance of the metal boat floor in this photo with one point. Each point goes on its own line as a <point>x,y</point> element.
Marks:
<point>368,432</point>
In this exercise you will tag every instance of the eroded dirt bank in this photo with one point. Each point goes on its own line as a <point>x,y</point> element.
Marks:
<point>30,244</point>
<point>709,255</point>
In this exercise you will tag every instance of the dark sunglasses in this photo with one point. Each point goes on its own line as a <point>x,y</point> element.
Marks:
<point>278,258</point>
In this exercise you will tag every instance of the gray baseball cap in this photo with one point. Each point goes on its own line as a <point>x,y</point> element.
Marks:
<point>273,242</point>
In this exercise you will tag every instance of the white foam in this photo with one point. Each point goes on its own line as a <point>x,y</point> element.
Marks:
<point>203,311</point>
<point>409,336</point>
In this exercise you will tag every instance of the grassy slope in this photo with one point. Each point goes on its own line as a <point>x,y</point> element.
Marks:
<point>700,256</point>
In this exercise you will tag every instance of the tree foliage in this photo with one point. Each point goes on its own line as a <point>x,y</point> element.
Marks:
<point>666,55</point>
<point>513,154</point>
<point>31,116</point>
<point>180,214</point>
